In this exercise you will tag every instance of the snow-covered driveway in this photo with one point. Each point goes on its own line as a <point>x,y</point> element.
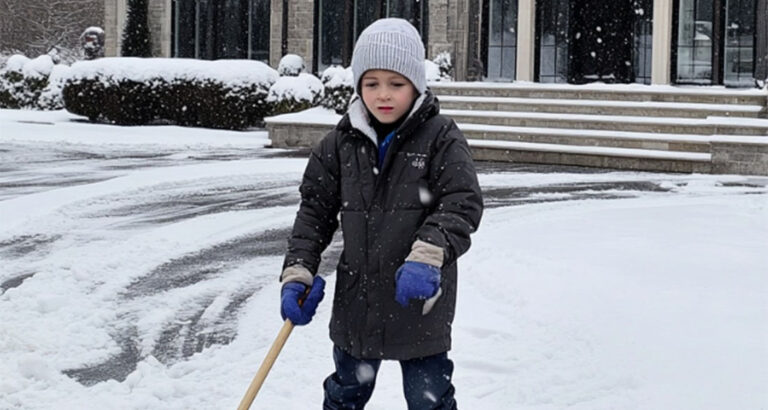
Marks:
<point>138,270</point>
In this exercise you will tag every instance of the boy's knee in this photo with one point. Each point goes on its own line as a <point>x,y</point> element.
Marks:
<point>339,395</point>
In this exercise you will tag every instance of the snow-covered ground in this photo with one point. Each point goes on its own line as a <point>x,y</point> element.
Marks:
<point>139,270</point>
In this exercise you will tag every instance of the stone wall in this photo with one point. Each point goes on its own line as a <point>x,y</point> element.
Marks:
<point>301,26</point>
<point>114,20</point>
<point>275,32</point>
<point>740,158</point>
<point>285,135</point>
<point>448,31</point>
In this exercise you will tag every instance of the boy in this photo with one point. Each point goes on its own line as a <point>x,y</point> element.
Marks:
<point>403,179</point>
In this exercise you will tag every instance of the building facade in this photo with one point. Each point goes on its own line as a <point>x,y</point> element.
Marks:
<point>699,42</point>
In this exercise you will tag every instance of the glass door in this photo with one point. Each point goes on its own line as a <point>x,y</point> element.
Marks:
<point>715,42</point>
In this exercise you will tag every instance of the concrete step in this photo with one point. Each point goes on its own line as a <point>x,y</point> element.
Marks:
<point>605,92</point>
<point>589,138</point>
<point>602,157</point>
<point>593,107</point>
<point>668,125</point>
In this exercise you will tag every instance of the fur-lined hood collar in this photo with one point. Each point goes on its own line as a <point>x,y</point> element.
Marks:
<point>426,106</point>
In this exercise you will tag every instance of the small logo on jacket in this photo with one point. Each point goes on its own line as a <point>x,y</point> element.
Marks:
<point>418,161</point>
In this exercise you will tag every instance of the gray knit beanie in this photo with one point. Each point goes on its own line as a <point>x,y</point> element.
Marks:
<point>390,44</point>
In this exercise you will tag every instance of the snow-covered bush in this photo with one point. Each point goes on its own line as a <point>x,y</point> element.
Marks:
<point>23,80</point>
<point>291,65</point>
<point>432,71</point>
<point>339,87</point>
<point>439,69</point>
<point>51,97</point>
<point>445,65</point>
<point>229,94</point>
<point>292,94</point>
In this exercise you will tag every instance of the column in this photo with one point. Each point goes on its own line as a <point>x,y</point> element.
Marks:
<point>662,42</point>
<point>526,38</point>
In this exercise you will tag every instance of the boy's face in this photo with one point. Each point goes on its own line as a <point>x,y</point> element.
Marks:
<point>387,94</point>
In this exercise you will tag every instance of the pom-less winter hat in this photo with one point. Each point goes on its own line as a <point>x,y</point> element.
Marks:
<point>390,44</point>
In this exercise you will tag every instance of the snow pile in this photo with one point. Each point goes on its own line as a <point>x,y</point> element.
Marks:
<point>432,71</point>
<point>291,65</point>
<point>16,63</point>
<point>39,67</point>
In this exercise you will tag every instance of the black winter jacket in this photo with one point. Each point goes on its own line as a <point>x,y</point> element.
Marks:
<point>427,189</point>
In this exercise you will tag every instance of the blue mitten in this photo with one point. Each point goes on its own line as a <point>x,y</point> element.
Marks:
<point>291,295</point>
<point>416,280</point>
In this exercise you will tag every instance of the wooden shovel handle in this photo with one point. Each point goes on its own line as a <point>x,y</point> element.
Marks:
<point>266,365</point>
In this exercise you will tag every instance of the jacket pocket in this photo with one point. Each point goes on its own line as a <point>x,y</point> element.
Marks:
<point>346,281</point>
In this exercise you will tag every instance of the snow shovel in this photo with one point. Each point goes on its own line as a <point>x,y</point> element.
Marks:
<point>266,365</point>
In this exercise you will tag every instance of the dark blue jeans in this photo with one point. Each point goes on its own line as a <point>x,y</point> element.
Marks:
<point>426,382</point>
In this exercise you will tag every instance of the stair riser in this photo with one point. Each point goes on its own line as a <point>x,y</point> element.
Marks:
<point>591,110</point>
<point>614,126</point>
<point>591,141</point>
<point>603,95</point>
<point>587,160</point>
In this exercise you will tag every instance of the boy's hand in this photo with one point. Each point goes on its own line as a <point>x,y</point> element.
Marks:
<point>416,280</point>
<point>294,292</point>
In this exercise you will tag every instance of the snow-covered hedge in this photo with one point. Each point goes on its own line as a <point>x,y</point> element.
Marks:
<point>292,94</point>
<point>229,94</point>
<point>24,81</point>
<point>339,86</point>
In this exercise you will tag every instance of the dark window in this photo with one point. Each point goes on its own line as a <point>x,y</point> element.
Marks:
<point>231,29</point>
<point>553,32</point>
<point>739,43</point>
<point>366,12</point>
<point>185,24</point>
<point>695,41</point>
<point>219,29</point>
<point>643,40</point>
<point>502,39</point>
<point>410,10</point>
<point>340,22</point>
<point>335,35</point>
<point>259,28</point>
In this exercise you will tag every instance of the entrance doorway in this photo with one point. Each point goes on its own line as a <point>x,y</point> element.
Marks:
<point>601,42</point>
<point>594,40</point>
